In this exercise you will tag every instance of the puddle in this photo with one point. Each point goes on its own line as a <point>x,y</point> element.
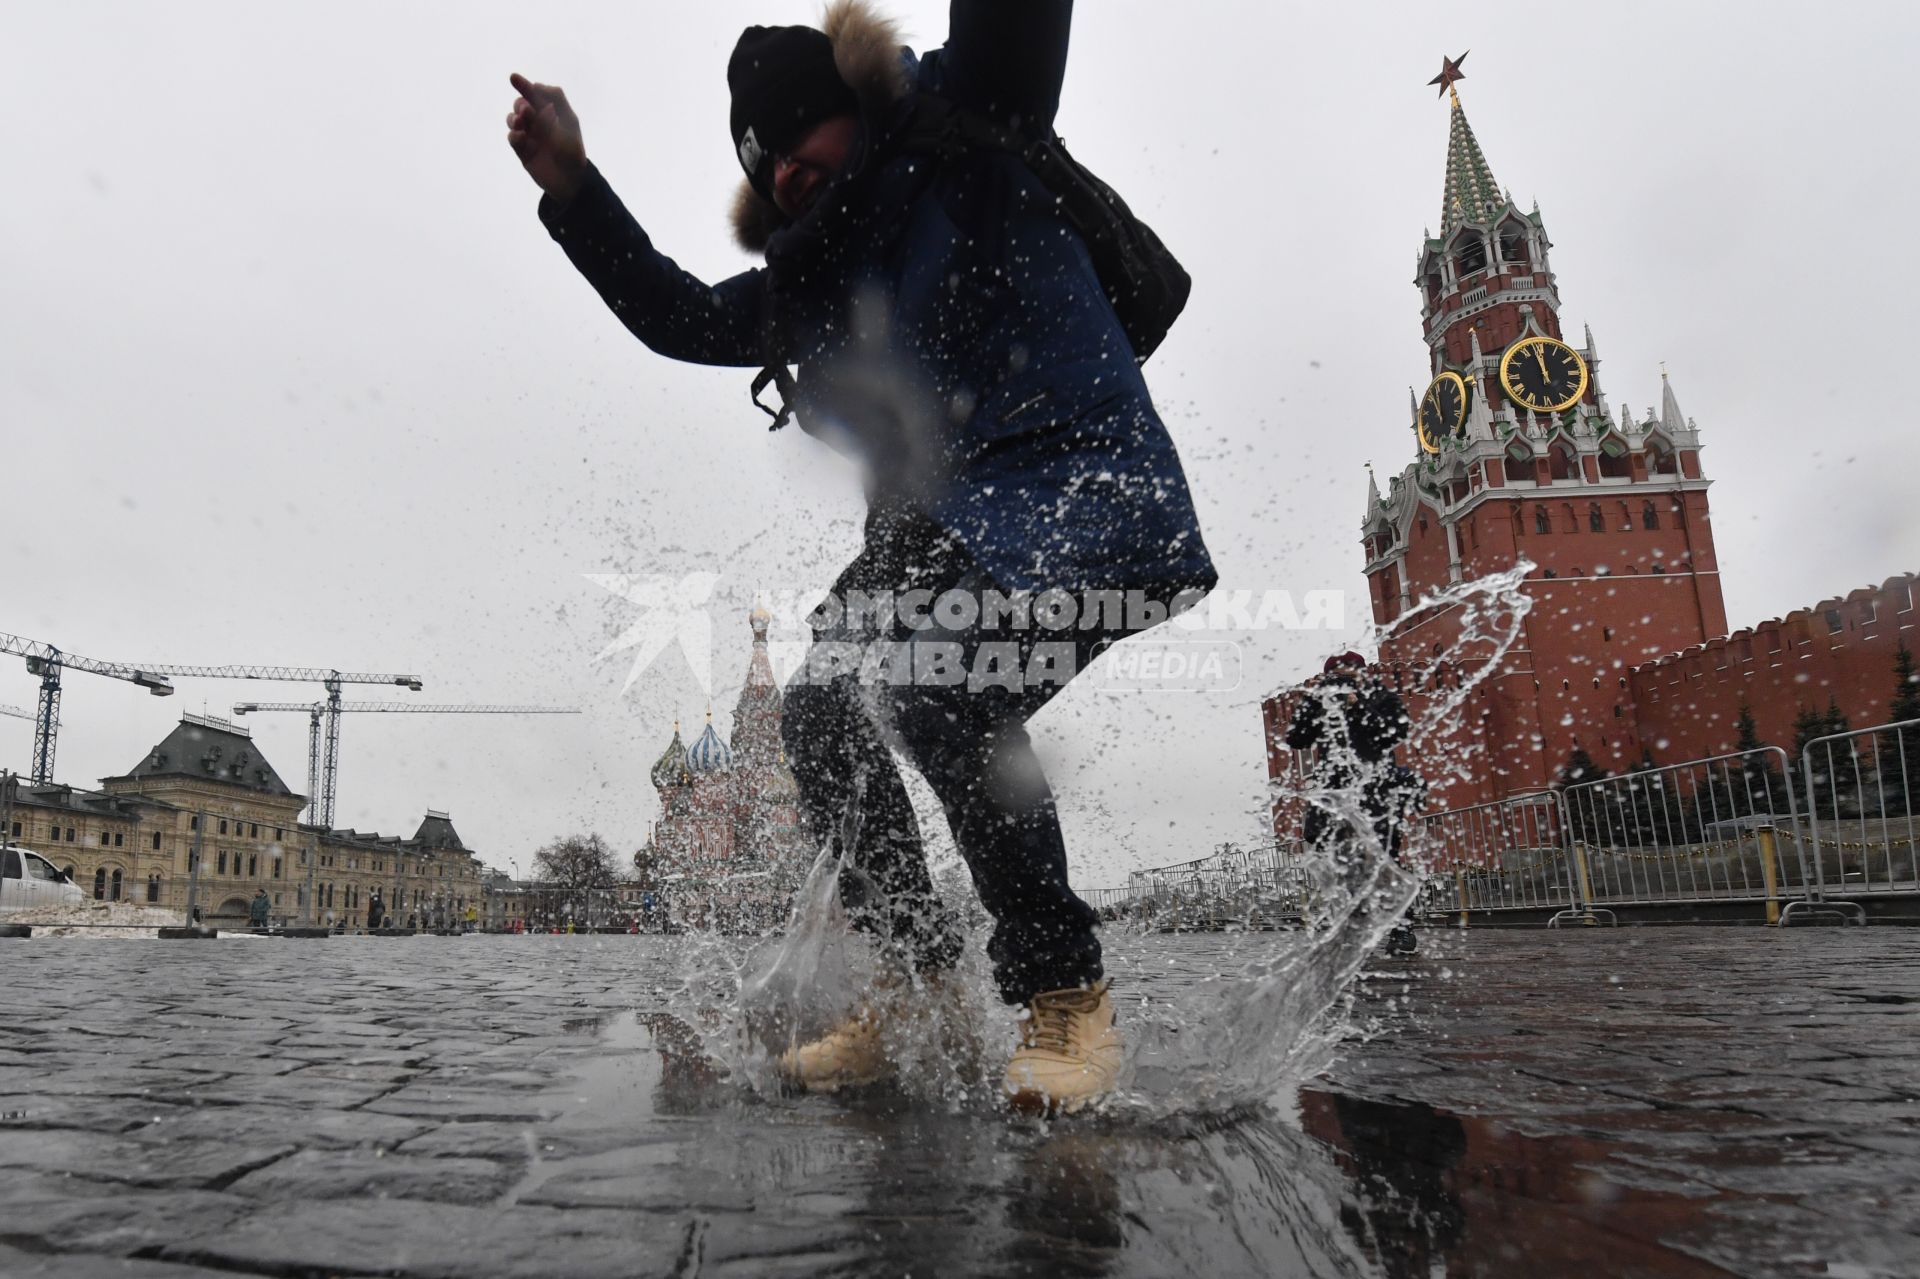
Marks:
<point>1339,1186</point>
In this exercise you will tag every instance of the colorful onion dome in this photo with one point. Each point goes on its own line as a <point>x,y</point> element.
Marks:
<point>709,754</point>
<point>671,768</point>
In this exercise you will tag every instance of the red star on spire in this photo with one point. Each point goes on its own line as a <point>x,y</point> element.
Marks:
<point>1449,71</point>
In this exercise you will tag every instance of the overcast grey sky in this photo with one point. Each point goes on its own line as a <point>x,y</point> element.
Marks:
<point>290,373</point>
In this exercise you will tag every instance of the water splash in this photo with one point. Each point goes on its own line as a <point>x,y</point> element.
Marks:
<point>1232,1040</point>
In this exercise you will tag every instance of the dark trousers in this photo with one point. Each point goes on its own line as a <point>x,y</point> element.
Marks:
<point>971,746</point>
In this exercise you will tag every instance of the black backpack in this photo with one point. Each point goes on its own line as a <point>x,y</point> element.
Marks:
<point>1145,282</point>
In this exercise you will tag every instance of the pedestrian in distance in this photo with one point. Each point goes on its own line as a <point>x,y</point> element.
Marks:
<point>967,311</point>
<point>260,909</point>
<point>1355,722</point>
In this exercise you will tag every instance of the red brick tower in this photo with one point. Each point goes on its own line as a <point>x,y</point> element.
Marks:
<point>1517,457</point>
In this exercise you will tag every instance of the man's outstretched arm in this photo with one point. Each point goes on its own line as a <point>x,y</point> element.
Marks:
<point>669,309</point>
<point>1006,58</point>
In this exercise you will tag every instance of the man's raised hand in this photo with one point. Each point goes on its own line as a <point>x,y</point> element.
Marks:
<point>545,133</point>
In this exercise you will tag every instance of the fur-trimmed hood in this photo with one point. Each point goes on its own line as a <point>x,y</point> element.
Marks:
<point>867,53</point>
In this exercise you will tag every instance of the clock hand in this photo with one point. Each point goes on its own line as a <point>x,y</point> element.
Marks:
<point>1540,355</point>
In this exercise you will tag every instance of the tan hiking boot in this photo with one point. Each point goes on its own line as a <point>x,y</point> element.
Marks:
<point>858,1052</point>
<point>1069,1054</point>
<point>850,1055</point>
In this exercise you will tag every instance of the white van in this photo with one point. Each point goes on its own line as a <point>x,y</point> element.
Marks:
<point>28,880</point>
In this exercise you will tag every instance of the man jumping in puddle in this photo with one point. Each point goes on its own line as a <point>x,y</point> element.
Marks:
<point>952,330</point>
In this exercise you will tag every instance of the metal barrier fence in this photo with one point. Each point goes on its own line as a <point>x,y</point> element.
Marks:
<point>1259,887</point>
<point>1110,902</point>
<point>1724,829</point>
<point>1508,855</point>
<point>1862,794</point>
<point>1746,828</point>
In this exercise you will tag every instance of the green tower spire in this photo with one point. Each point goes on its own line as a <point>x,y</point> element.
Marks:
<point>1471,195</point>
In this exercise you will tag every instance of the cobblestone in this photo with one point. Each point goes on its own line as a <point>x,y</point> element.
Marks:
<point>1665,1102</point>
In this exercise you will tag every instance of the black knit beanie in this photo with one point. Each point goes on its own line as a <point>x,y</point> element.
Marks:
<point>783,82</point>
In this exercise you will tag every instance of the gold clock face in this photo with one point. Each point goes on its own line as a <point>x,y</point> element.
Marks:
<point>1443,410</point>
<point>1543,374</point>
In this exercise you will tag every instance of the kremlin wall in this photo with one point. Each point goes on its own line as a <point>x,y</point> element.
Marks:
<point>1841,651</point>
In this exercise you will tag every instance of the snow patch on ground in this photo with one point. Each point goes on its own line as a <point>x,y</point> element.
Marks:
<point>97,919</point>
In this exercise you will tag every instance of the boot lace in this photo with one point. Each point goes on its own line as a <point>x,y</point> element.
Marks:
<point>1051,1017</point>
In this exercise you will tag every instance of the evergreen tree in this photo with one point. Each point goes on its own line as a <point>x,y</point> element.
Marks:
<point>1906,691</point>
<point>1590,811</point>
<point>1848,767</point>
<point>1899,749</point>
<point>1651,808</point>
<point>1580,768</point>
<point>1807,726</point>
<point>1754,786</point>
<point>1640,808</point>
<point>1837,721</point>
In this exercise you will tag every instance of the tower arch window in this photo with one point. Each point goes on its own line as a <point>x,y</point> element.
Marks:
<point>1561,462</point>
<point>1518,465</point>
<point>1513,246</point>
<point>1469,254</point>
<point>113,888</point>
<point>1542,522</point>
<point>1596,522</point>
<point>1662,460</point>
<point>1616,457</point>
<point>1649,516</point>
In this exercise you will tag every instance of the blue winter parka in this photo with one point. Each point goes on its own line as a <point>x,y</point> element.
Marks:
<point>947,324</point>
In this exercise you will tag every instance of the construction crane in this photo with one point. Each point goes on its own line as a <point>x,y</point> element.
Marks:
<point>323,765</point>
<point>17,713</point>
<point>47,662</point>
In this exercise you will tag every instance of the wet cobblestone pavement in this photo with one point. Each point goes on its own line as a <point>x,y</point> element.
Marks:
<point>1641,1102</point>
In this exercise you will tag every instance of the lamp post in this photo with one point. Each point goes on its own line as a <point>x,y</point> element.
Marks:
<point>6,831</point>
<point>193,866</point>
<point>399,892</point>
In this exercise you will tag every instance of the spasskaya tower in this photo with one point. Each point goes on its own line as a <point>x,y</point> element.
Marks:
<point>1516,455</point>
